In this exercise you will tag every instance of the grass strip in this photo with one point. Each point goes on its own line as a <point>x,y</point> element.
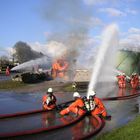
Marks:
<point>9,84</point>
<point>131,131</point>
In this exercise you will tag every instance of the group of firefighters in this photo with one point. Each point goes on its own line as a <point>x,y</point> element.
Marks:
<point>134,80</point>
<point>90,104</point>
<point>80,106</point>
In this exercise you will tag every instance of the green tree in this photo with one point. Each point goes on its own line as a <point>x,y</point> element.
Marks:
<point>4,62</point>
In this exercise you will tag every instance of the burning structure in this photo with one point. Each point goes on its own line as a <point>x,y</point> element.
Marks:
<point>59,68</point>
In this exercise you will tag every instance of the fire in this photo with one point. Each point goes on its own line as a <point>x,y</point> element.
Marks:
<point>59,68</point>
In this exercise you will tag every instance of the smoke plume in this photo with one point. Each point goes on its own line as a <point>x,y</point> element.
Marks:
<point>70,22</point>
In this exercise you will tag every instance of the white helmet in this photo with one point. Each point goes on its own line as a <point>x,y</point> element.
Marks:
<point>50,90</point>
<point>76,94</point>
<point>92,93</point>
<point>135,73</point>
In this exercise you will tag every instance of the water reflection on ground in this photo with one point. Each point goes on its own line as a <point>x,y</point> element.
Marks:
<point>3,77</point>
<point>121,111</point>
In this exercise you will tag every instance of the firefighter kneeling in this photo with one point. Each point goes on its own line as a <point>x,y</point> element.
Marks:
<point>49,100</point>
<point>96,106</point>
<point>93,106</point>
<point>76,107</point>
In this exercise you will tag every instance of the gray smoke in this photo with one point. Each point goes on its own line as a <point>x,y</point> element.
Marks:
<point>70,22</point>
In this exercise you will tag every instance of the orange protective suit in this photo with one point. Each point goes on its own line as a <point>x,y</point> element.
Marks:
<point>121,81</point>
<point>99,108</point>
<point>134,81</point>
<point>76,107</point>
<point>51,102</point>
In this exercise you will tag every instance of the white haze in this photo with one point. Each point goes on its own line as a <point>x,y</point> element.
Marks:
<point>54,49</point>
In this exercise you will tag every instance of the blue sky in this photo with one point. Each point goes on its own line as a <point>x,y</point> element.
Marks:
<point>20,20</point>
<point>34,20</point>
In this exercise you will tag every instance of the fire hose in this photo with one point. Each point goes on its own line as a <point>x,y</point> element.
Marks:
<point>39,130</point>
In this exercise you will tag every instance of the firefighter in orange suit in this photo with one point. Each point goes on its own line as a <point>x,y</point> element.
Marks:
<point>7,71</point>
<point>49,100</point>
<point>121,80</point>
<point>134,80</point>
<point>76,107</point>
<point>97,107</point>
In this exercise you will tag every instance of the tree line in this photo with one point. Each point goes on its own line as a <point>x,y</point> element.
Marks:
<point>23,53</point>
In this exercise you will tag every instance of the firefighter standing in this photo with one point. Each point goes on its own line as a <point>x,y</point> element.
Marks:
<point>7,72</point>
<point>121,80</point>
<point>74,86</point>
<point>76,107</point>
<point>134,80</point>
<point>49,100</point>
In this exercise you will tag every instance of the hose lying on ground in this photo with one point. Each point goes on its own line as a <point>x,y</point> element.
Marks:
<point>39,130</point>
<point>59,107</point>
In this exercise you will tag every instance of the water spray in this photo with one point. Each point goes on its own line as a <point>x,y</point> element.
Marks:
<point>29,64</point>
<point>109,40</point>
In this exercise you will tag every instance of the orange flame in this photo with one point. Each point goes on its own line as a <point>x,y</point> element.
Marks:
<point>59,68</point>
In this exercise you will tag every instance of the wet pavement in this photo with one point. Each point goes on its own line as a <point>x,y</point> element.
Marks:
<point>122,112</point>
<point>3,77</point>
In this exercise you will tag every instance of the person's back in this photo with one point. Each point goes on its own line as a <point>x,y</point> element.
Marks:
<point>76,107</point>
<point>99,103</point>
<point>78,103</point>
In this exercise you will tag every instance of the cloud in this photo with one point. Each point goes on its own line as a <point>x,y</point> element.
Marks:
<point>117,13</point>
<point>112,12</point>
<point>131,11</point>
<point>93,2</point>
<point>53,48</point>
<point>132,40</point>
<point>112,2</point>
<point>134,30</point>
<point>6,51</point>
